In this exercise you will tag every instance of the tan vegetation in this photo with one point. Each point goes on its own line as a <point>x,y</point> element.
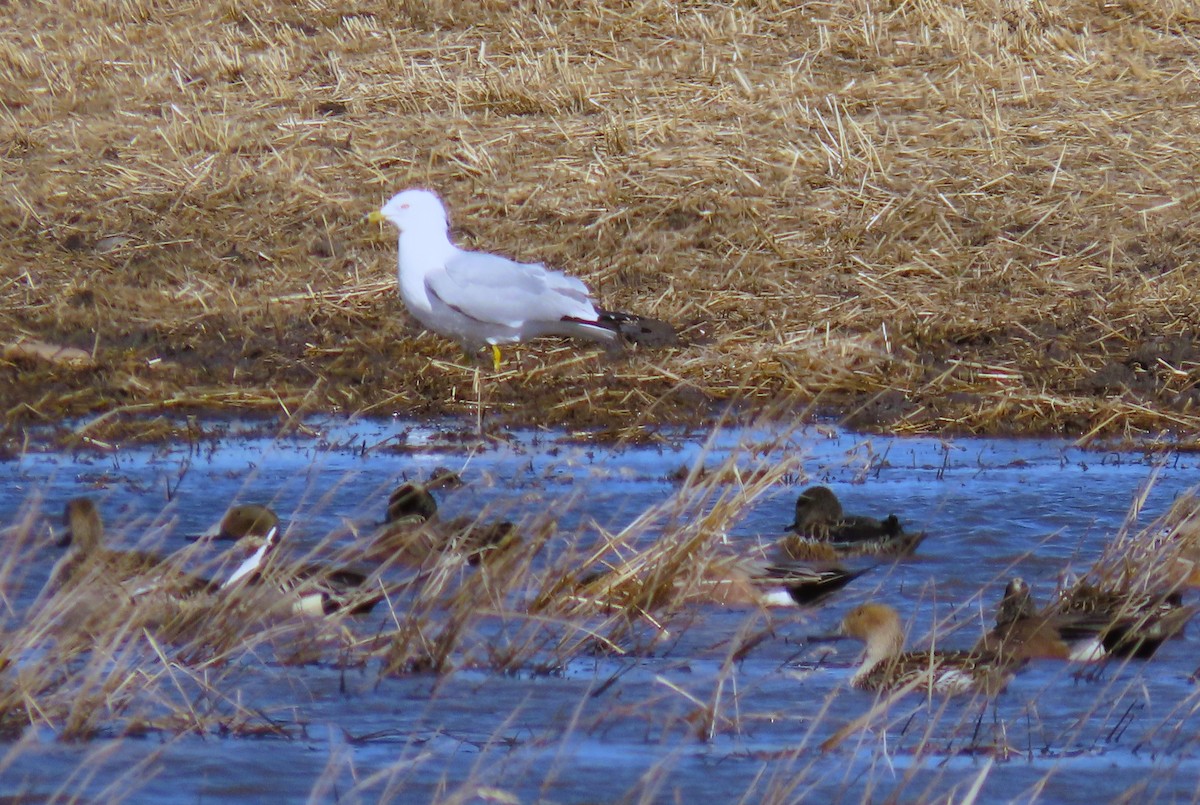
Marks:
<point>443,614</point>
<point>537,610</point>
<point>931,216</point>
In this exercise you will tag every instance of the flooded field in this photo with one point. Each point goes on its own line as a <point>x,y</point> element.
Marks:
<point>708,701</point>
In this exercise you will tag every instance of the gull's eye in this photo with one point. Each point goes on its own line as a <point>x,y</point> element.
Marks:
<point>404,206</point>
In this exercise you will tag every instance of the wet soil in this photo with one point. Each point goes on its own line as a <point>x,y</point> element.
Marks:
<point>966,233</point>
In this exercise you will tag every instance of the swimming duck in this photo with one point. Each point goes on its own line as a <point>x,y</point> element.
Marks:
<point>1122,623</point>
<point>755,580</point>
<point>1085,624</point>
<point>413,533</point>
<point>887,667</point>
<point>1022,633</point>
<point>315,588</point>
<point>731,580</point>
<point>819,518</point>
<point>137,573</point>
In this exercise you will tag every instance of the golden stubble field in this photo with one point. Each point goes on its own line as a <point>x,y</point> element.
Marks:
<point>927,216</point>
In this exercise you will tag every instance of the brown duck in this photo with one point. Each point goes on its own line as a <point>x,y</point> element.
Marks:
<point>136,573</point>
<point>413,533</point>
<point>1023,633</point>
<point>887,667</point>
<point>819,518</point>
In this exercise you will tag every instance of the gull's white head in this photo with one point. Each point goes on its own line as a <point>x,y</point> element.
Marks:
<point>415,210</point>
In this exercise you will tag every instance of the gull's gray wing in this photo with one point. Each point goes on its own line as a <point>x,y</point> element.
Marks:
<point>491,288</point>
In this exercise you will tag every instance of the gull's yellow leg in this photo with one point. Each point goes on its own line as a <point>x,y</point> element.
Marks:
<point>478,388</point>
<point>495,358</point>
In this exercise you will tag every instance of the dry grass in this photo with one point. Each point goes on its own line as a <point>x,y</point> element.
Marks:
<point>524,613</point>
<point>968,216</point>
<point>1157,558</point>
<point>84,661</point>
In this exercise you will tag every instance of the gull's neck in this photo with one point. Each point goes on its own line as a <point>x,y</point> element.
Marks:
<point>422,250</point>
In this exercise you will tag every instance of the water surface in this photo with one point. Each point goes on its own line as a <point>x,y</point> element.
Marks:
<point>597,728</point>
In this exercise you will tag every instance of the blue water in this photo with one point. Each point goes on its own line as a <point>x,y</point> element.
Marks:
<point>606,727</point>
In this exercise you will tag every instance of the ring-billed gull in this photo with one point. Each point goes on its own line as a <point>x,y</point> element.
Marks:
<point>484,299</point>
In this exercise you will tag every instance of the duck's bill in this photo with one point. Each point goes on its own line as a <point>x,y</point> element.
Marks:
<point>214,534</point>
<point>825,638</point>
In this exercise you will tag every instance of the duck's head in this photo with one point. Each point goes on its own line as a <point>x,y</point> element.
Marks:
<point>249,519</point>
<point>817,505</point>
<point>878,625</point>
<point>1017,602</point>
<point>443,478</point>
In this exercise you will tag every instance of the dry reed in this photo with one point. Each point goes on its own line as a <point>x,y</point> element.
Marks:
<point>525,611</point>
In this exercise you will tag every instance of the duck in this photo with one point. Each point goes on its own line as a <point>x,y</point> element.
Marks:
<point>240,520</point>
<point>413,533</point>
<point>314,588</point>
<point>887,667</point>
<point>1022,633</point>
<point>1122,623</point>
<point>88,560</point>
<point>726,580</point>
<point>93,588</point>
<point>774,582</point>
<point>819,518</point>
<point>1086,623</point>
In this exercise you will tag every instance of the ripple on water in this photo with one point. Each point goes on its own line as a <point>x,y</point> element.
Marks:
<point>685,717</point>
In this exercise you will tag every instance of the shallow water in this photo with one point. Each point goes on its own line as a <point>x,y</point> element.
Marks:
<point>599,728</point>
